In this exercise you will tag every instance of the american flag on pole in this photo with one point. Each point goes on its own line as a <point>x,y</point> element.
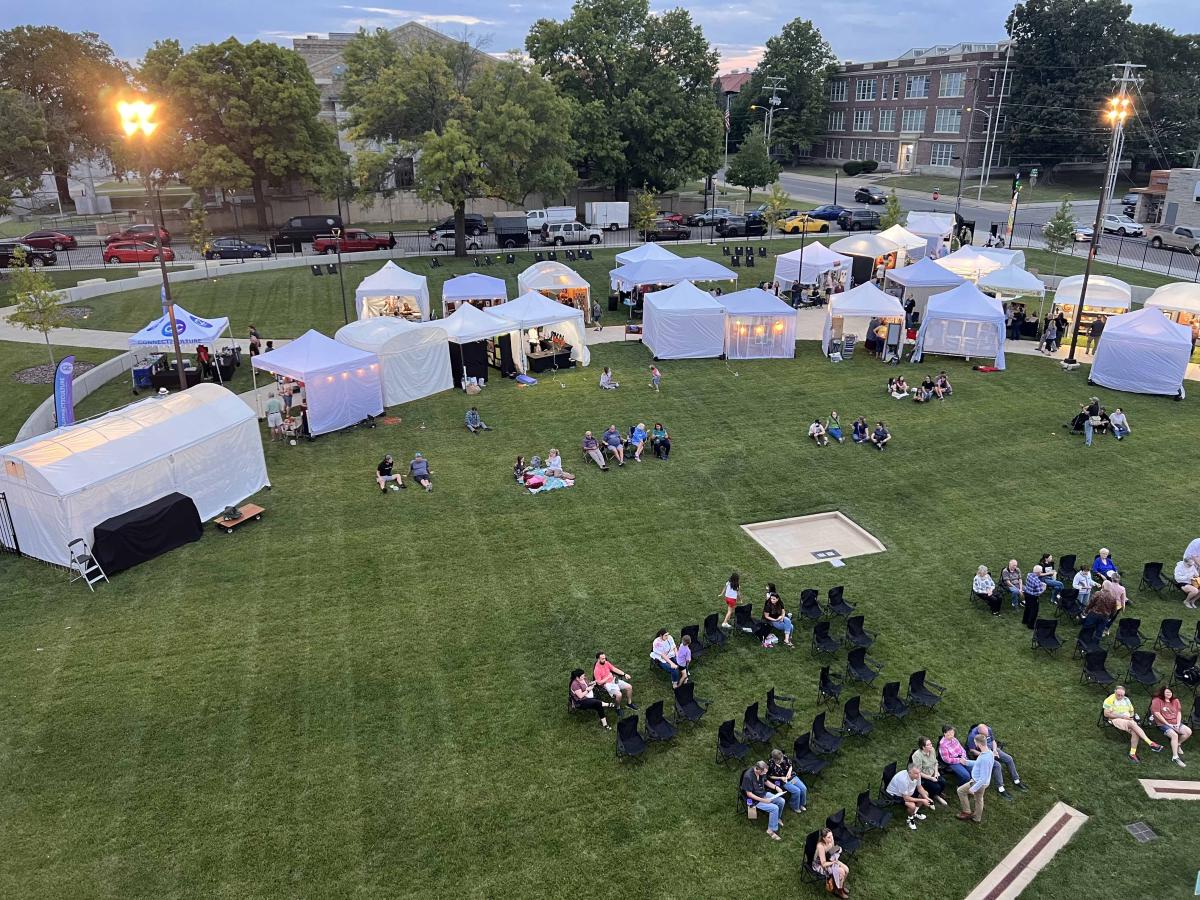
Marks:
<point>727,117</point>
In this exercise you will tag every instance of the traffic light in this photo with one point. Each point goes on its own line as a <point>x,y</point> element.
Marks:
<point>1016,182</point>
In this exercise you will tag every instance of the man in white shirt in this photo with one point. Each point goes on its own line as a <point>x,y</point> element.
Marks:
<point>906,787</point>
<point>816,431</point>
<point>1186,573</point>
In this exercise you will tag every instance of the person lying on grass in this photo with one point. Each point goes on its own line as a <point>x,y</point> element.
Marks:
<point>418,469</point>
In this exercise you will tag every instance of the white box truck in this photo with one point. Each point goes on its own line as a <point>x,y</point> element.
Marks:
<point>551,215</point>
<point>611,215</point>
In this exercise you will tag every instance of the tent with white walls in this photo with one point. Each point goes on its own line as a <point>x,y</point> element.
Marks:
<point>807,265</point>
<point>668,272</point>
<point>1143,352</point>
<point>474,289</point>
<point>392,291</point>
<point>683,322</point>
<point>1105,294</point>
<point>643,252</point>
<point>853,310</point>
<point>414,359</point>
<point>1011,282</point>
<point>1180,297</point>
<point>467,329</point>
<point>535,310</point>
<point>922,280</point>
<point>558,282</point>
<point>758,325</point>
<point>962,321</point>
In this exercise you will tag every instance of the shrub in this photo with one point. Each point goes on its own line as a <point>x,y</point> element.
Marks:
<point>852,167</point>
<point>869,166</point>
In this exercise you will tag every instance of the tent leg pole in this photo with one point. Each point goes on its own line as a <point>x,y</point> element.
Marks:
<point>257,399</point>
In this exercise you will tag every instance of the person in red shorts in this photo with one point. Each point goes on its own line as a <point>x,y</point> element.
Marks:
<point>731,598</point>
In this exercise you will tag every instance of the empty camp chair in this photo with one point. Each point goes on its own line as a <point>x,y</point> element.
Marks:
<point>743,619</point>
<point>829,687</point>
<point>750,260</point>
<point>1044,636</point>
<point>735,262</point>
<point>777,715</point>
<point>693,631</point>
<point>804,760</point>
<point>1168,635</point>
<point>1182,664</point>
<point>729,745</point>
<point>822,640</point>
<point>657,727</point>
<point>869,814</point>
<point>853,720</point>
<point>843,835</point>
<point>822,739</point>
<point>630,743</point>
<point>891,703</point>
<point>1141,669</point>
<point>725,250</point>
<point>1128,635</point>
<point>537,257</point>
<point>510,259</point>
<point>1152,577</point>
<point>856,635</point>
<point>714,635</point>
<point>1094,670</point>
<point>837,604</point>
<point>552,256</point>
<point>1088,640</point>
<point>587,254</point>
<point>687,707</point>
<point>1068,603</point>
<point>738,250</point>
<point>570,256</point>
<point>860,667</point>
<point>809,607</point>
<point>762,252</point>
<point>754,729</point>
<point>922,691</point>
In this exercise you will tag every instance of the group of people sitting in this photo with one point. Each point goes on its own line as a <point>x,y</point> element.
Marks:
<point>930,388</point>
<point>1100,592</point>
<point>610,680</point>
<point>765,785</point>
<point>418,471</point>
<point>608,381</point>
<point>821,433</point>
<point>1093,419</point>
<point>615,446</point>
<point>538,476</point>
<point>1165,712</point>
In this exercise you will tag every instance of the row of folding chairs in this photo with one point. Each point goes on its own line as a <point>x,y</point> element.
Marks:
<point>739,250</point>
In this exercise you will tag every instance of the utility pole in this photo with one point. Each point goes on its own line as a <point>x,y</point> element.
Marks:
<point>774,84</point>
<point>989,142</point>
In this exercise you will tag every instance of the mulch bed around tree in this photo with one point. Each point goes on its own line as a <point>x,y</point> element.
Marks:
<point>45,374</point>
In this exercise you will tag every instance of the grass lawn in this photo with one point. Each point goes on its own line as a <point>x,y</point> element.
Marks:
<point>65,278</point>
<point>17,400</point>
<point>363,695</point>
<point>1070,186</point>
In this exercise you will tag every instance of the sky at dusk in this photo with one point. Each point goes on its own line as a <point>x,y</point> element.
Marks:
<point>857,29</point>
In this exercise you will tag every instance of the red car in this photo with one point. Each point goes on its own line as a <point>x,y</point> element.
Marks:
<point>142,233</point>
<point>353,240</point>
<point>135,252</point>
<point>50,240</point>
<point>668,215</point>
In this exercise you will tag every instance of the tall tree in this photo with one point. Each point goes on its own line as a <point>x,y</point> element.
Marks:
<point>802,58</point>
<point>1060,76</point>
<point>644,87</point>
<point>451,172</point>
<point>752,165</point>
<point>644,212</point>
<point>22,146</point>
<point>74,79</point>
<point>1166,131</point>
<point>246,114</point>
<point>37,306</point>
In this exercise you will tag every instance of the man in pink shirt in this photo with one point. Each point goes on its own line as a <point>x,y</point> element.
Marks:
<point>605,674</point>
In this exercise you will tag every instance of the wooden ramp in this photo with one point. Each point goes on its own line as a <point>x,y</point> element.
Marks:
<point>1030,856</point>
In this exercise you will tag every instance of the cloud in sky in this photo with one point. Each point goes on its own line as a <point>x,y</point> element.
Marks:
<point>425,18</point>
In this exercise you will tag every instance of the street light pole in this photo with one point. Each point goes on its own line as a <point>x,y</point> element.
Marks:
<point>962,169</point>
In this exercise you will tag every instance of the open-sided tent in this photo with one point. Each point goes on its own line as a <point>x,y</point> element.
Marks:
<point>643,252</point>
<point>912,246</point>
<point>341,383</point>
<point>668,272</point>
<point>1143,352</point>
<point>962,321</point>
<point>413,359</point>
<point>475,289</point>
<point>203,442</point>
<point>1105,294</point>
<point>558,282</point>
<point>192,330</point>
<point>973,263</point>
<point>758,325</point>
<point>467,328</point>
<point>535,310</point>
<point>683,322</point>
<point>922,280</point>
<point>1181,300</point>
<point>392,291</point>
<point>854,309</point>
<point>1003,255</point>
<point>1013,281</point>
<point>865,244</point>
<point>808,265</point>
<point>935,228</point>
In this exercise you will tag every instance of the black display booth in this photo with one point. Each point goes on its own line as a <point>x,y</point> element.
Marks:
<point>477,357</point>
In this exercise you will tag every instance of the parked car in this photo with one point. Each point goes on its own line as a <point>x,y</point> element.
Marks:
<point>803,223</point>
<point>551,215</point>
<point>353,240</point>
<point>444,240</point>
<point>473,223</point>
<point>670,215</point>
<point>234,248</point>
<point>143,233</point>
<point>1176,237</point>
<point>304,229</point>
<point>712,216</point>
<point>742,226</point>
<point>559,233</point>
<point>859,220</point>
<point>830,212</point>
<point>34,258</point>
<point>871,193</point>
<point>663,230</point>
<point>1130,199</point>
<point>50,240</point>
<point>135,252</point>
<point>1121,225</point>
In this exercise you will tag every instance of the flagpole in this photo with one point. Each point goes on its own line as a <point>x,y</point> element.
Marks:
<point>727,96</point>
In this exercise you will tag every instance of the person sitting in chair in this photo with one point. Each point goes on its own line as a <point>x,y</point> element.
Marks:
<point>1187,576</point>
<point>859,433</point>
<point>925,759</point>
<point>474,423</point>
<point>663,652</point>
<point>1104,564</point>
<point>777,617</point>
<point>614,681</point>
<point>607,382</point>
<point>1118,712</point>
<point>1167,715</point>
<point>989,741</point>
<point>880,436</point>
<point>985,589</point>
<point>816,431</point>
<point>660,441</point>
<point>1011,579</point>
<point>582,697</point>
<point>384,474</point>
<point>615,444</point>
<point>418,470</point>
<point>905,787</point>
<point>591,448</point>
<point>757,794</point>
<point>951,752</point>
<point>1083,583</point>
<point>1049,572</point>
<point>637,440</point>
<point>782,777</point>
<point>1034,585</point>
<point>826,862</point>
<point>554,466</point>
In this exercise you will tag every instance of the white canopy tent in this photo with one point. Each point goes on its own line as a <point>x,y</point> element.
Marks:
<point>643,252</point>
<point>808,265</point>
<point>683,322</point>
<point>475,289</point>
<point>855,309</point>
<point>414,360</point>
<point>469,323</point>
<point>1104,294</point>
<point>973,263</point>
<point>922,280</point>
<point>865,244</point>
<point>758,325</point>
<point>962,321</point>
<point>392,291</point>
<point>1013,281</point>
<point>192,330</point>
<point>904,238</point>
<point>557,282</point>
<point>1143,352</point>
<point>535,310</point>
<point>935,228</point>
<point>1003,256</point>
<point>1180,300</point>
<point>341,383</point>
<point>668,272</point>
<point>203,442</point>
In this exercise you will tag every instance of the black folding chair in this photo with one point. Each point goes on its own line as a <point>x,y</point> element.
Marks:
<point>1094,670</point>
<point>1044,636</point>
<point>804,760</point>
<point>714,635</point>
<point>837,604</point>
<point>657,727</point>
<point>744,621</point>
<point>809,607</point>
<point>822,640</point>
<point>843,835</point>
<point>1068,603</point>
<point>807,872</point>
<point>1128,634</point>
<point>693,631</point>
<point>630,743</point>
<point>889,772</point>
<point>853,720</point>
<point>1182,664</point>
<point>822,739</point>
<point>860,667</point>
<point>687,707</point>
<point>777,715</point>
<point>729,745</point>
<point>1089,640</point>
<point>869,814</point>
<point>922,691</point>
<point>1168,636</point>
<point>1141,669</point>
<point>1194,718</point>
<point>754,729</point>
<point>1152,577</point>
<point>829,687</point>
<point>891,703</point>
<point>856,635</point>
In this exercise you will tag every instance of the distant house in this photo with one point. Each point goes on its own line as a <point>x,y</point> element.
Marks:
<point>733,82</point>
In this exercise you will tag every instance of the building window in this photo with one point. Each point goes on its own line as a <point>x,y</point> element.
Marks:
<point>912,120</point>
<point>862,120</point>
<point>994,81</point>
<point>837,121</point>
<point>891,88</point>
<point>947,121</point>
<point>887,120</point>
<point>941,154</point>
<point>999,153</point>
<point>916,87</point>
<point>833,149</point>
<point>837,90</point>
<point>803,152</point>
<point>864,89</point>
<point>952,84</point>
<point>1001,122</point>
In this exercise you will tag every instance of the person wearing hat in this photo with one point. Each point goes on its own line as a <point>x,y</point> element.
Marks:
<point>384,474</point>
<point>418,469</point>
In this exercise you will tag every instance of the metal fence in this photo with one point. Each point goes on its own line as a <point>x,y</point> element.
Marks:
<point>1132,252</point>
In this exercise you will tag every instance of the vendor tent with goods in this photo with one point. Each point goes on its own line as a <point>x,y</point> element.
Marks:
<point>392,291</point>
<point>558,282</point>
<point>852,311</point>
<point>473,288</point>
<point>469,329</point>
<point>922,280</point>
<point>534,310</point>
<point>962,321</point>
<point>808,265</point>
<point>758,325</point>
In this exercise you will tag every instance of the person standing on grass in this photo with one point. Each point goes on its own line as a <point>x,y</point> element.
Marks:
<point>275,416</point>
<point>1118,711</point>
<point>976,786</point>
<point>1165,711</point>
<point>614,681</point>
<point>255,341</point>
<point>905,787</point>
<point>758,795</point>
<point>683,656</point>
<point>1083,583</point>
<point>999,757</point>
<point>655,378</point>
<point>731,598</point>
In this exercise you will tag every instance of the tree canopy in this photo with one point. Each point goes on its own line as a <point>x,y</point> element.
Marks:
<point>22,146</point>
<point>1167,130</point>
<point>752,165</point>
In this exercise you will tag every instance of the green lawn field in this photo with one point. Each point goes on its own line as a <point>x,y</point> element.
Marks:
<point>364,695</point>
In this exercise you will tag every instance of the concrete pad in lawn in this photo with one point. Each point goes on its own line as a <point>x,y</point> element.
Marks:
<point>806,540</point>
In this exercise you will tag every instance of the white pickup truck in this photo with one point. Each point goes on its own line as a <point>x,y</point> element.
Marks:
<point>1175,237</point>
<point>551,215</point>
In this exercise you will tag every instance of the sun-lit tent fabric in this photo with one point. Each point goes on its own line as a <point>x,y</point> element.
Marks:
<point>643,252</point>
<point>414,359</point>
<point>341,383</point>
<point>962,321</point>
<point>930,224</point>
<point>903,238</point>
<point>1104,293</point>
<point>758,325</point>
<point>390,291</point>
<point>669,271</point>
<point>922,280</point>
<point>204,443</point>
<point>192,330</point>
<point>864,245</point>
<point>974,263</point>
<point>1004,256</point>
<point>1182,296</point>
<point>1143,352</point>
<point>469,323</point>
<point>683,322</point>
<point>816,260</point>
<point>473,286</point>
<point>535,310</point>
<point>858,306</point>
<point>559,282</point>
<point>1013,281</point>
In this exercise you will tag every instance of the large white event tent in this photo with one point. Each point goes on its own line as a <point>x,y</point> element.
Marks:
<point>392,291</point>
<point>1180,297</point>
<point>808,265</point>
<point>192,330</point>
<point>535,310</point>
<point>1105,294</point>
<point>341,383</point>
<point>203,442</point>
<point>1013,281</point>
<point>473,288</point>
<point>872,245</point>
<point>466,327</point>
<point>414,359</point>
<point>911,245</point>
<point>963,321</point>
<point>642,252</point>
<point>933,227</point>
<point>1143,352</point>
<point>976,262</point>
<point>669,271</point>
<point>857,307</point>
<point>922,280</point>
<point>683,322</point>
<point>558,282</point>
<point>758,325</point>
